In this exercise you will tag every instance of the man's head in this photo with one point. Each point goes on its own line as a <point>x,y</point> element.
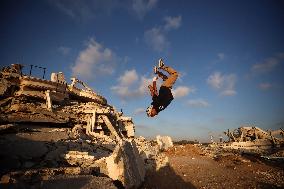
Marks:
<point>151,111</point>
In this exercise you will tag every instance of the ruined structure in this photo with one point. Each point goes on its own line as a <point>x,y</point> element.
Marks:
<point>57,127</point>
<point>252,138</point>
<point>29,99</point>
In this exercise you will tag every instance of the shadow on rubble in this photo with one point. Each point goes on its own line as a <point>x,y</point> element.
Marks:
<point>165,178</point>
<point>34,151</point>
<point>27,159</point>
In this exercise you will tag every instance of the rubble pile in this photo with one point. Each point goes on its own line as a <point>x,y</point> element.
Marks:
<point>164,142</point>
<point>247,140</point>
<point>51,131</point>
<point>151,154</point>
<point>254,139</point>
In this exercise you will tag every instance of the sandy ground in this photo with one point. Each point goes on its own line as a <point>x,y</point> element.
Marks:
<point>190,168</point>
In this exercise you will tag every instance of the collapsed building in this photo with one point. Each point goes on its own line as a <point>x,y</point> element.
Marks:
<point>82,133</point>
<point>54,101</point>
<point>251,138</point>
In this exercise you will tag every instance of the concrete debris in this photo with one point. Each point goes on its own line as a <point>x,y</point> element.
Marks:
<point>124,165</point>
<point>79,158</point>
<point>29,99</point>
<point>150,152</point>
<point>78,181</point>
<point>58,130</point>
<point>68,177</point>
<point>164,142</point>
<point>48,125</point>
<point>253,139</point>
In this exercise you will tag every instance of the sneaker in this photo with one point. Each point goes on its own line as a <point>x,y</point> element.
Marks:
<point>161,63</point>
<point>155,70</point>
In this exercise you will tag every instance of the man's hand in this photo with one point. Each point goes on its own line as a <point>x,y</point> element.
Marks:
<point>155,78</point>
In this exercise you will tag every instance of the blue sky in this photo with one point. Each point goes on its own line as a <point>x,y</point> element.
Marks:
<point>230,56</point>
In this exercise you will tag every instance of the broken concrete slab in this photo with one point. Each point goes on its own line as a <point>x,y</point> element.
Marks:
<point>124,165</point>
<point>24,149</point>
<point>147,149</point>
<point>164,142</point>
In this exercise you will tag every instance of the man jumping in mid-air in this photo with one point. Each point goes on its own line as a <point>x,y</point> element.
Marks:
<point>164,98</point>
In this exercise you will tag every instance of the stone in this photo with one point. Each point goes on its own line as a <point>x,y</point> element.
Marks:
<point>78,181</point>
<point>28,164</point>
<point>5,179</point>
<point>25,149</point>
<point>146,148</point>
<point>164,142</point>
<point>83,159</point>
<point>55,155</point>
<point>124,165</point>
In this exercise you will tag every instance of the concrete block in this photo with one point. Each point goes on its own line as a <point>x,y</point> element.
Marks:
<point>124,165</point>
<point>164,142</point>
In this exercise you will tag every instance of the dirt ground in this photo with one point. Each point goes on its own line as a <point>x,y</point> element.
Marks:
<point>190,168</point>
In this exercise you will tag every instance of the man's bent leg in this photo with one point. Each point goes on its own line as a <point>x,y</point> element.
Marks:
<point>171,78</point>
<point>163,76</point>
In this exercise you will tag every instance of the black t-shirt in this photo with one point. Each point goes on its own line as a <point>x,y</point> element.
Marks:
<point>164,98</point>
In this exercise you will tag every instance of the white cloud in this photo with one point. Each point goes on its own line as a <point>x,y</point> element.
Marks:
<point>127,89</point>
<point>267,66</point>
<point>94,60</point>
<point>64,50</point>
<point>265,86</point>
<point>172,23</point>
<point>142,7</point>
<point>225,84</point>
<point>229,92</point>
<point>128,78</point>
<point>85,10</point>
<point>215,80</point>
<point>221,56</point>
<point>156,39</point>
<point>143,87</point>
<point>79,10</point>
<point>280,55</point>
<point>198,103</point>
<point>182,91</point>
<point>139,111</point>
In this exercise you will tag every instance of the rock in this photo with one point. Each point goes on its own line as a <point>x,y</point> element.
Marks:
<point>78,181</point>
<point>161,161</point>
<point>83,159</point>
<point>24,149</point>
<point>56,154</point>
<point>8,162</point>
<point>124,165</point>
<point>164,142</point>
<point>5,179</point>
<point>28,164</point>
<point>71,178</point>
<point>146,148</point>
<point>150,153</point>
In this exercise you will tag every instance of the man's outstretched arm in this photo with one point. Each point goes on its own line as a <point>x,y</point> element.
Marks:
<point>153,89</point>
